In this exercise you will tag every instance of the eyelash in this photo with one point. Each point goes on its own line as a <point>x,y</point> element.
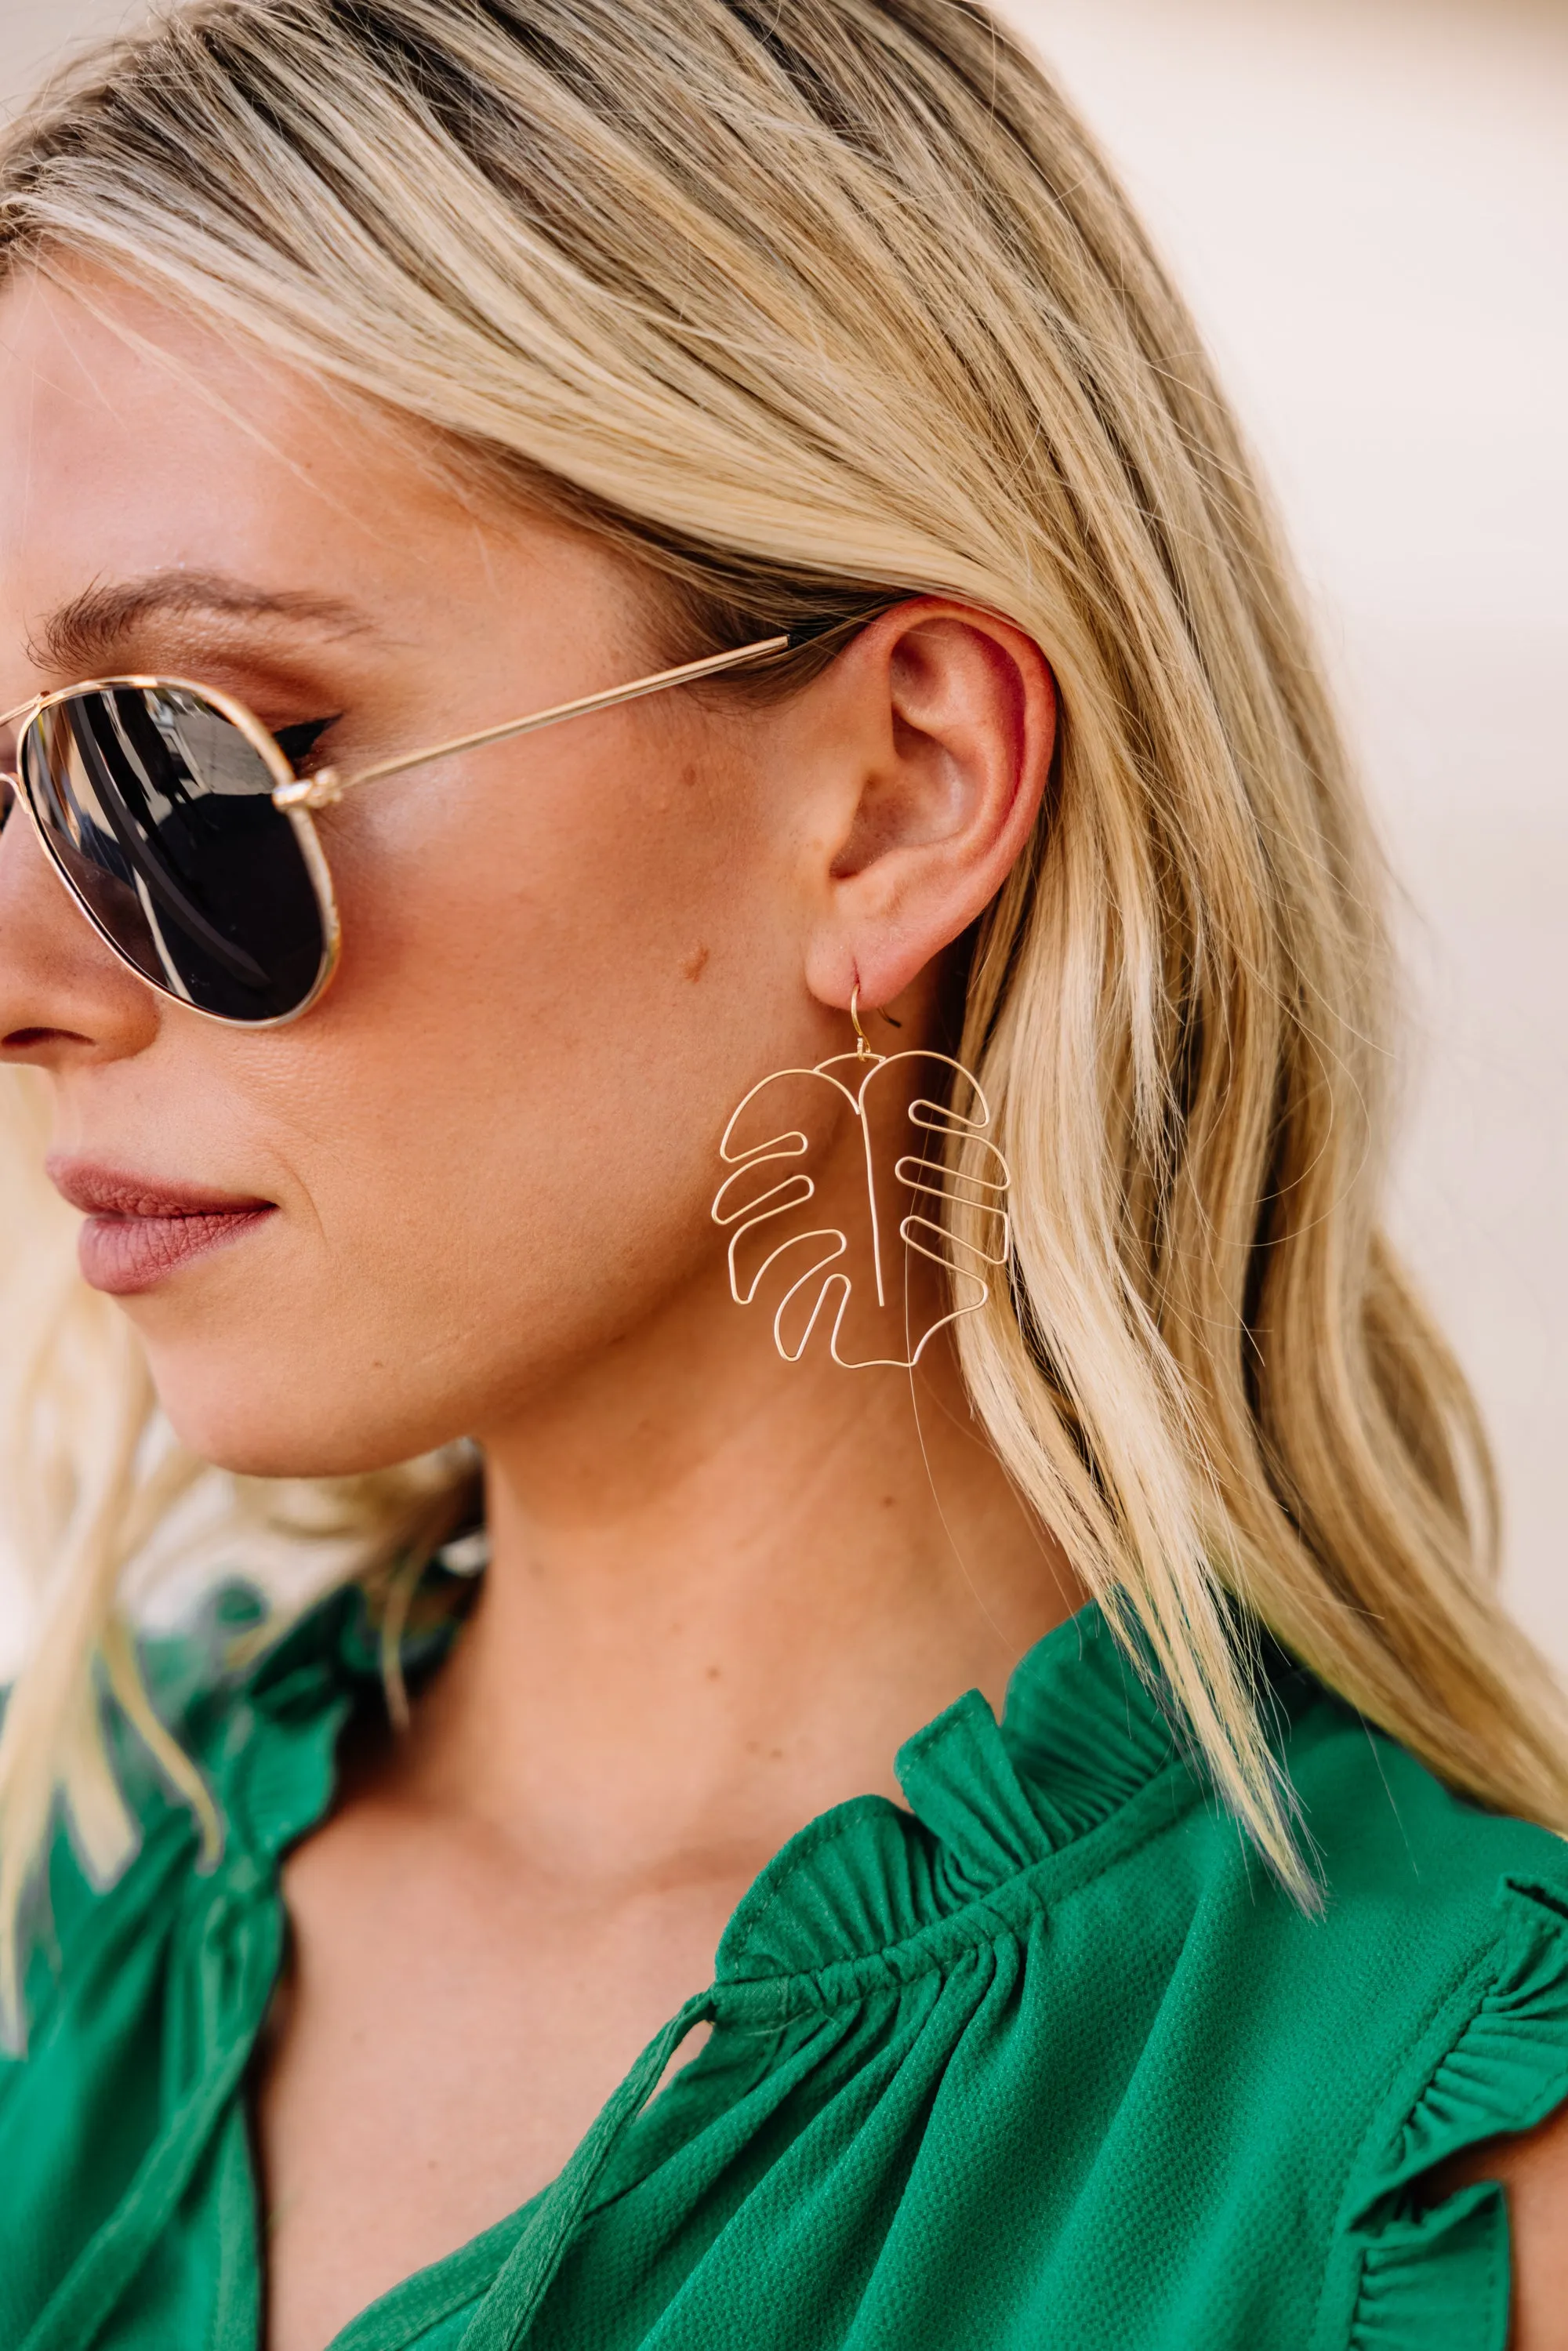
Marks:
<point>296,742</point>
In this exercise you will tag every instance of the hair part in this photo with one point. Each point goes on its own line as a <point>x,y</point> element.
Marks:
<point>807,306</point>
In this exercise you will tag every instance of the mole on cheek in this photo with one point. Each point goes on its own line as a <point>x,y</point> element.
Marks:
<point>696,965</point>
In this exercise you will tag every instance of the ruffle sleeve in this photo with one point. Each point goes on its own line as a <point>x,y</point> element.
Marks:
<point>1419,2275</point>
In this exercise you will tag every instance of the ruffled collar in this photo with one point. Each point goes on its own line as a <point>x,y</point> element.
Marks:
<point>989,1804</point>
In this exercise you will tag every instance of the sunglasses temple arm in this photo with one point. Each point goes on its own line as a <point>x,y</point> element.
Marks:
<point>327,786</point>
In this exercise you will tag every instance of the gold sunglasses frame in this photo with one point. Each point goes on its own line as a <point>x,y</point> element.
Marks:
<point>295,797</point>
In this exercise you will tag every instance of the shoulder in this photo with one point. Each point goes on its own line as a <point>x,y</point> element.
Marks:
<point>1321,2070</point>
<point>1443,1947</point>
<point>1415,1876</point>
<point>1532,2171</point>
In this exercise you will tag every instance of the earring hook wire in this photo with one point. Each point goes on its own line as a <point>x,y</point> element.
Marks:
<point>864,1050</point>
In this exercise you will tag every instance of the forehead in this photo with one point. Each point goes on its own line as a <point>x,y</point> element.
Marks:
<point>135,440</point>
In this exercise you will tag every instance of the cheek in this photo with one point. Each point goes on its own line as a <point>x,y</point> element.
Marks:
<point>538,916</point>
<point>500,1126</point>
<point>551,947</point>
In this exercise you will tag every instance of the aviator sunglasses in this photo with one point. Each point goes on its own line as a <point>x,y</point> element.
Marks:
<point>182,829</point>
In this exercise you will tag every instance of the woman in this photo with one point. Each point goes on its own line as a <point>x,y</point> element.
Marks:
<point>445,1091</point>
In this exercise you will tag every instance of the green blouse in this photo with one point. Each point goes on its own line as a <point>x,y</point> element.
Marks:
<point>1044,2059</point>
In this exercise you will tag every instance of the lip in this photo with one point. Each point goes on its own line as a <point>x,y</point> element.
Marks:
<point>140,1229</point>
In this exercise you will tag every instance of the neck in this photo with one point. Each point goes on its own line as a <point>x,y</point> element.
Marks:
<point>723,1590</point>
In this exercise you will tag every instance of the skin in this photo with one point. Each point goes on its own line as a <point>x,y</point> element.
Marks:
<point>722,1588</point>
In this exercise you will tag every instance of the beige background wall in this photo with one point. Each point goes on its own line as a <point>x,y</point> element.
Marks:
<point>1367,201</point>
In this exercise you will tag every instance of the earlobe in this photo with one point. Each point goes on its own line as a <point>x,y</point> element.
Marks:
<point>952,712</point>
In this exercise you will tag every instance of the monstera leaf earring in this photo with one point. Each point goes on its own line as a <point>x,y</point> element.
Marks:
<point>832,1272</point>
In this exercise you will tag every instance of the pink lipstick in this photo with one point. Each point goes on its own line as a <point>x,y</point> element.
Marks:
<point>138,1230</point>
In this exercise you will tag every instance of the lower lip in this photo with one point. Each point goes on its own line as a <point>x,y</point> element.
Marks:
<point>122,1255</point>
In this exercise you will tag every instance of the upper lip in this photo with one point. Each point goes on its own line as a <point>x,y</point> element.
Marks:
<point>112,1192</point>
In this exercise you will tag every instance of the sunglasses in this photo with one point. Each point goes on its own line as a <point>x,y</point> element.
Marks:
<point>180,829</point>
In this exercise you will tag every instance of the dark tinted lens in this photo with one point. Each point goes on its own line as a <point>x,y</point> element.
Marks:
<point>160,812</point>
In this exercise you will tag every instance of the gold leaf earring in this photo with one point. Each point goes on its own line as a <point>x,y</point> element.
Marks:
<point>755,1199</point>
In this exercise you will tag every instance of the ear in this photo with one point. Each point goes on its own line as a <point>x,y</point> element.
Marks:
<point>943,722</point>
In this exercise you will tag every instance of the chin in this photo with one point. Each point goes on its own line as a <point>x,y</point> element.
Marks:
<point>303,1425</point>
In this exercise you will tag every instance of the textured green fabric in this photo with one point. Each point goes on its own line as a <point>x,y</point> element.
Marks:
<point>1045,2060</point>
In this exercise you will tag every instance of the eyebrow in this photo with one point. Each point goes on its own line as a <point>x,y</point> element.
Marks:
<point>75,638</point>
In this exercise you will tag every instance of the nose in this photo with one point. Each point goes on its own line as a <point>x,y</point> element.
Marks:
<point>65,1000</point>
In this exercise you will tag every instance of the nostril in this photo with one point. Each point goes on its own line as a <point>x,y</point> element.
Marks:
<point>25,1040</point>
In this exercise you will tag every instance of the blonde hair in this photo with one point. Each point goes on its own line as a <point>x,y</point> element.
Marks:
<point>808,303</point>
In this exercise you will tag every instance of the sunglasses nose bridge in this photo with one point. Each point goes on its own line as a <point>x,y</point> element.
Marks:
<point>13,792</point>
<point>14,726</point>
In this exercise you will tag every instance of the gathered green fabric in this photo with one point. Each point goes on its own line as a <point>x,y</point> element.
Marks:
<point>1045,2060</point>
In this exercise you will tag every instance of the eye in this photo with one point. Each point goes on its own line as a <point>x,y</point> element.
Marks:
<point>296,742</point>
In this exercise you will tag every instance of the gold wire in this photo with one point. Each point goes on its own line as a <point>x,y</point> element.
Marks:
<point>864,1047</point>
